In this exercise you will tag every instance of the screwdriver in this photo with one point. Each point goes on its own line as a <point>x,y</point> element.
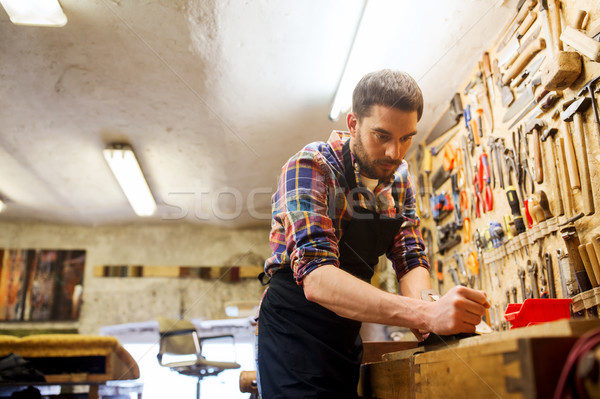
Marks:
<point>440,274</point>
<point>513,201</point>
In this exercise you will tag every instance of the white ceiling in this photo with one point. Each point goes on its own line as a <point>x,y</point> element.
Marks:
<point>213,96</point>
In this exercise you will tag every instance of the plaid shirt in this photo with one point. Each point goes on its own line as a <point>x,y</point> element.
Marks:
<point>310,211</point>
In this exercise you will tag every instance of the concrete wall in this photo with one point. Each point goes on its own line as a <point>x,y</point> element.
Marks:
<point>108,301</point>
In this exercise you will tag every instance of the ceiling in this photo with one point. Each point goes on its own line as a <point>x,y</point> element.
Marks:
<point>213,95</point>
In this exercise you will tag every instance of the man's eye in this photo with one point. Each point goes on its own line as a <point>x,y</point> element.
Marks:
<point>406,139</point>
<point>381,137</point>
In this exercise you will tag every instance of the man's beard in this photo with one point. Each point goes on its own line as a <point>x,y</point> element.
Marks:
<point>368,166</point>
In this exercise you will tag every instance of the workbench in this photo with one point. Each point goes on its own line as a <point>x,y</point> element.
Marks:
<point>71,360</point>
<point>519,363</point>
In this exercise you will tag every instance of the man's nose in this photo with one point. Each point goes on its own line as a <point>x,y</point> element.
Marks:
<point>393,151</point>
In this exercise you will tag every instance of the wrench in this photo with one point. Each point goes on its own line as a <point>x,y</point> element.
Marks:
<point>532,271</point>
<point>521,273</point>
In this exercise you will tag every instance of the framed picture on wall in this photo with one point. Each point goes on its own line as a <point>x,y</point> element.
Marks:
<point>41,285</point>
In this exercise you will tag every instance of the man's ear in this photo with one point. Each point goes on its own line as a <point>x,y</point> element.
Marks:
<point>352,122</point>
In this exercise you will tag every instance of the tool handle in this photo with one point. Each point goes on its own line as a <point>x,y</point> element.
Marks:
<point>550,276</point>
<point>487,69</point>
<point>427,161</point>
<point>527,22</point>
<point>474,129</point>
<point>587,264</point>
<point>595,263</point>
<point>513,201</point>
<point>564,175</point>
<point>571,238</point>
<point>554,12</point>
<point>523,60</point>
<point>581,43</point>
<point>555,168</point>
<point>584,168</point>
<point>537,154</point>
<point>440,274</point>
<point>569,148</point>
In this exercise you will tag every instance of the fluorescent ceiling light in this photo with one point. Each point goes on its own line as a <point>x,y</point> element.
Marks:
<point>35,12</point>
<point>371,41</point>
<point>125,167</point>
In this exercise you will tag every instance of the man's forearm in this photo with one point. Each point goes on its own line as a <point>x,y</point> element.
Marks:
<point>460,310</point>
<point>415,281</point>
<point>355,299</point>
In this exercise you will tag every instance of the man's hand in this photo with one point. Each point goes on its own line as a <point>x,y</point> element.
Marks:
<point>459,311</point>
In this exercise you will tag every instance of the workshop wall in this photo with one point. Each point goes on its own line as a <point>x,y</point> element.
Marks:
<point>109,301</point>
<point>511,112</point>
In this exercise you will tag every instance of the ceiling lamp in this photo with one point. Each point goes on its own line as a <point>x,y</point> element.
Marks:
<point>2,205</point>
<point>35,12</point>
<point>125,167</point>
<point>376,25</point>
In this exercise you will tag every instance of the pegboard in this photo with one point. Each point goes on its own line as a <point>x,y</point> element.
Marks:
<point>545,77</point>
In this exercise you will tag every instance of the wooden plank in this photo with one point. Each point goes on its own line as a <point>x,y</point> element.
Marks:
<point>374,351</point>
<point>385,379</point>
<point>508,365</point>
<point>473,375</point>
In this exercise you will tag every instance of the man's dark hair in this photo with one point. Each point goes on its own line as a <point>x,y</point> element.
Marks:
<point>394,89</point>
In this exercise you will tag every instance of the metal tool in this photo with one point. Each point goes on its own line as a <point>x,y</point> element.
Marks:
<point>550,275</point>
<point>532,271</point>
<point>589,88</point>
<point>521,274</point>
<point>571,238</point>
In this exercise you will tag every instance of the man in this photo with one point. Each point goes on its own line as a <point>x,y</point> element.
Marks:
<point>338,207</point>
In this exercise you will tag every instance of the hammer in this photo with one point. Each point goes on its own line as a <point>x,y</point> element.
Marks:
<point>535,126</point>
<point>574,114</point>
<point>563,67</point>
<point>589,87</point>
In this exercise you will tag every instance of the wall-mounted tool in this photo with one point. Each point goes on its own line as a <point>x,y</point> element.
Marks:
<point>448,120</point>
<point>487,71</point>
<point>587,264</point>
<point>594,260</point>
<point>447,237</point>
<point>574,113</point>
<point>513,198</point>
<point>555,182</point>
<point>521,274</point>
<point>581,43</point>
<point>571,238</point>
<point>506,93</point>
<point>563,67</point>
<point>523,59</point>
<point>538,106</point>
<point>590,88</point>
<point>522,11</point>
<point>441,206</point>
<point>567,197</point>
<point>550,275</point>
<point>524,99</point>
<point>532,271</point>
<point>535,127</point>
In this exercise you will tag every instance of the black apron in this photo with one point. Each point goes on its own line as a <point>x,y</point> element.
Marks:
<point>305,350</point>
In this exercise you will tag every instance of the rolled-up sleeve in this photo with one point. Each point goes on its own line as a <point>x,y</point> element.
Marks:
<point>408,248</point>
<point>304,235</point>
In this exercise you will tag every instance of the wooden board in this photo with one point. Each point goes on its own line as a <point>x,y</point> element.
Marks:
<point>521,363</point>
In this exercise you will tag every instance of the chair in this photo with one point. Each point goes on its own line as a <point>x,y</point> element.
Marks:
<point>179,338</point>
